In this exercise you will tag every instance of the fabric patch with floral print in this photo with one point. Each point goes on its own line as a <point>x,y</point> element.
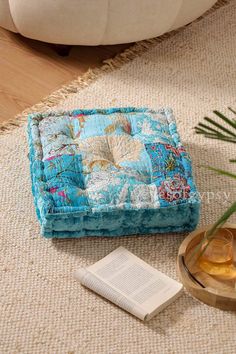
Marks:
<point>124,164</point>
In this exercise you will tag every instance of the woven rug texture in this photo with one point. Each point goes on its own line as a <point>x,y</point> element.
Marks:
<point>43,309</point>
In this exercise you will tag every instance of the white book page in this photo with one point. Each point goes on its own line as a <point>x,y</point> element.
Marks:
<point>96,284</point>
<point>144,288</point>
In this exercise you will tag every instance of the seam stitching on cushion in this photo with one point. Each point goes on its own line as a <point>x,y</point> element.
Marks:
<point>106,111</point>
<point>176,132</point>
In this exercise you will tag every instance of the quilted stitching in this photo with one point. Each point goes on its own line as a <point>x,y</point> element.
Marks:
<point>95,161</point>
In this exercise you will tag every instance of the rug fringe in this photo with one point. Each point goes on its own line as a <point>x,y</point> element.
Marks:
<point>92,75</point>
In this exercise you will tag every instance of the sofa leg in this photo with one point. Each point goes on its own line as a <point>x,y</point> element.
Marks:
<point>62,50</point>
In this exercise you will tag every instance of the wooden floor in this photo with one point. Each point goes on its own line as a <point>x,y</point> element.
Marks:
<point>31,70</point>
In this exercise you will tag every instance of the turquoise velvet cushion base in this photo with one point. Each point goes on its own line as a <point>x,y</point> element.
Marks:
<point>111,172</point>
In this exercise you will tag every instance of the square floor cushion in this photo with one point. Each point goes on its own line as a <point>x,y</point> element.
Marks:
<point>111,172</point>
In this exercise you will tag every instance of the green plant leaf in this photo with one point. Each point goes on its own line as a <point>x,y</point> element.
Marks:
<point>225,119</point>
<point>215,130</point>
<point>227,139</point>
<point>209,128</point>
<point>209,120</point>
<point>221,172</point>
<point>222,220</point>
<point>230,136</point>
<point>211,232</point>
<point>232,110</point>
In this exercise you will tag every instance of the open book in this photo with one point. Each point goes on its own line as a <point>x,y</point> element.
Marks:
<point>130,283</point>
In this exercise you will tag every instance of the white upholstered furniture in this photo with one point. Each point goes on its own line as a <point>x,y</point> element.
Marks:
<point>94,22</point>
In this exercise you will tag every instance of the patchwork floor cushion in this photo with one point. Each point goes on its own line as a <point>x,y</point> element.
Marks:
<point>111,172</point>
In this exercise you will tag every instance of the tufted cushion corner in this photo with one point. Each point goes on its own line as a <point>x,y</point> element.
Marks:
<point>111,172</point>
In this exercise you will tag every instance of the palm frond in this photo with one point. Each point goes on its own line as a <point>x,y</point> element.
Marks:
<point>219,126</point>
<point>225,119</point>
<point>232,110</point>
<point>226,132</point>
<point>216,130</point>
<point>221,172</point>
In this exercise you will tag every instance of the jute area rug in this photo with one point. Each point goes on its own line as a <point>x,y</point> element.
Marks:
<point>43,309</point>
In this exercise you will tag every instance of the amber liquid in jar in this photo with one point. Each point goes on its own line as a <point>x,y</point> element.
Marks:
<point>217,258</point>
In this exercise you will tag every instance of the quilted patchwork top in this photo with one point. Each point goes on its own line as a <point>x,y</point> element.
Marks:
<point>100,160</point>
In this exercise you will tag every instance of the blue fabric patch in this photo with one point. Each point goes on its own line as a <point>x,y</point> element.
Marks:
<point>110,172</point>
